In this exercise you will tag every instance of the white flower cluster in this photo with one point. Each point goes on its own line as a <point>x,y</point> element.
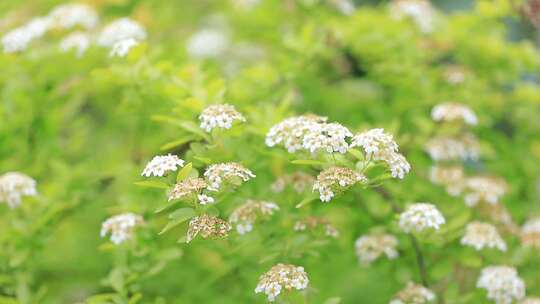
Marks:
<point>380,146</point>
<point>78,40</point>
<point>15,185</point>
<point>336,179</point>
<point>245,216</point>
<point>451,111</point>
<point>291,131</point>
<point>282,276</point>
<point>530,232</point>
<point>121,35</point>
<point>64,16</point>
<point>414,294</point>
<point>452,177</point>
<point>121,227</point>
<point>67,16</point>
<point>421,216</point>
<point>122,47</point>
<point>502,283</point>
<point>328,137</point>
<point>299,181</point>
<point>313,224</point>
<point>161,164</point>
<point>190,188</point>
<point>372,246</point>
<point>453,148</point>
<point>207,226</point>
<point>226,172</point>
<point>219,116</point>
<point>487,189</point>
<point>482,235</point>
<point>207,43</point>
<point>121,29</point>
<point>420,11</point>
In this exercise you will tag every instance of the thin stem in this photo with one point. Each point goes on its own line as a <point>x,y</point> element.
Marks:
<point>420,261</point>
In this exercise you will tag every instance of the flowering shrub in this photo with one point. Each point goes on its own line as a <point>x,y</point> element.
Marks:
<point>253,151</point>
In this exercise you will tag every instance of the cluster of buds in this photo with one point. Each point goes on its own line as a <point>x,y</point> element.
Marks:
<point>219,116</point>
<point>372,246</point>
<point>299,181</point>
<point>282,277</point>
<point>336,179</point>
<point>245,216</point>
<point>191,188</point>
<point>15,185</point>
<point>414,294</point>
<point>314,224</point>
<point>207,226</point>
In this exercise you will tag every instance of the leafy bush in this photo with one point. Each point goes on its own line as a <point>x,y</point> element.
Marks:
<point>300,151</point>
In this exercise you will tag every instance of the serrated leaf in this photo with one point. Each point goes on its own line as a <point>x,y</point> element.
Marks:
<point>308,162</point>
<point>182,174</point>
<point>152,184</point>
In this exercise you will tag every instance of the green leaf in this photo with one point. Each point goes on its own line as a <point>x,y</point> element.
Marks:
<point>359,155</point>
<point>165,206</point>
<point>182,174</point>
<point>182,239</point>
<point>204,160</point>
<point>308,162</point>
<point>307,200</point>
<point>176,143</point>
<point>152,184</point>
<point>178,217</point>
<point>135,298</point>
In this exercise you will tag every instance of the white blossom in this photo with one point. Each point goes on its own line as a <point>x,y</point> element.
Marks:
<point>18,39</point>
<point>161,164</point>
<point>445,148</point>
<point>282,277</point>
<point>487,189</point>
<point>189,188</point>
<point>370,247</point>
<point>207,226</point>
<point>78,41</point>
<point>452,111</point>
<point>121,227</point>
<point>219,116</point>
<point>452,177</point>
<point>502,283</point>
<point>482,235</point>
<point>380,146</point>
<point>328,137</point>
<point>245,216</point>
<point>122,47</point>
<point>336,179</point>
<point>414,294</point>
<point>205,199</point>
<point>15,185</point>
<point>121,29</point>
<point>207,43</point>
<point>226,172</point>
<point>291,131</point>
<point>421,216</point>
<point>67,16</point>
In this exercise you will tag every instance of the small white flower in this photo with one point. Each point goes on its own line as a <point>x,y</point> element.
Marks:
<point>78,41</point>
<point>372,246</point>
<point>245,216</point>
<point>336,179</point>
<point>291,131</point>
<point>328,137</point>
<point>67,16</point>
<point>207,43</point>
<point>453,148</point>
<point>414,294</point>
<point>421,216</point>
<point>219,116</point>
<point>15,185</point>
<point>121,227</point>
<point>205,199</point>
<point>482,235</point>
<point>282,277</point>
<point>452,111</point>
<point>121,29</point>
<point>502,283</point>
<point>122,47</point>
<point>488,189</point>
<point>18,39</point>
<point>226,172</point>
<point>161,164</point>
